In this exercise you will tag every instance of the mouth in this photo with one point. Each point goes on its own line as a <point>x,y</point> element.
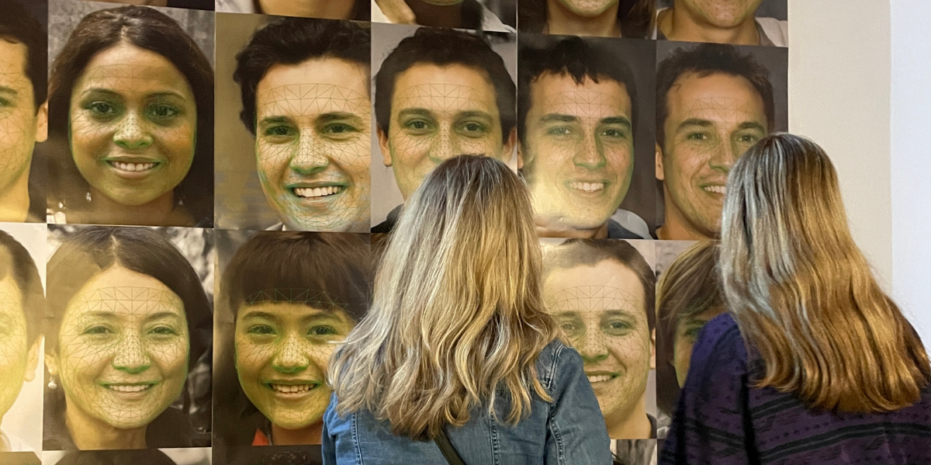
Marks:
<point>595,378</point>
<point>715,189</point>
<point>129,388</point>
<point>317,192</point>
<point>292,389</point>
<point>588,187</point>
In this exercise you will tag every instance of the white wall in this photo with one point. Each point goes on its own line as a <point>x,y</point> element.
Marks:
<point>911,160</point>
<point>839,81</point>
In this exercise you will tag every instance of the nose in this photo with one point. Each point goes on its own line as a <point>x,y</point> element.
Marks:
<point>309,156</point>
<point>725,156</point>
<point>132,133</point>
<point>590,153</point>
<point>445,145</point>
<point>291,356</point>
<point>592,347</point>
<point>131,355</point>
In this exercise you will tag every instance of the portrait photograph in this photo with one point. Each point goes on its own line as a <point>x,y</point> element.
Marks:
<point>484,15</point>
<point>735,22</point>
<point>192,4</point>
<point>629,19</point>
<point>130,115</point>
<point>197,456</point>
<point>355,10</point>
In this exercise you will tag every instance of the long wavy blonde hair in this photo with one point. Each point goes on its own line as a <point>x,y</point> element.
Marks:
<point>457,311</point>
<point>802,292</point>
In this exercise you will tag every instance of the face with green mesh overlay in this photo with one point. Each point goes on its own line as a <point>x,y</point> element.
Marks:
<point>123,349</point>
<point>283,343</point>
<point>17,359</point>
<point>601,308</point>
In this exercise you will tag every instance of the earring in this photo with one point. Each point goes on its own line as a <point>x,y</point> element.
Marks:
<point>88,197</point>
<point>52,384</point>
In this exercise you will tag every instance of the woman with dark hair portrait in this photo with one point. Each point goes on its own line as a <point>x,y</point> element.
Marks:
<point>357,10</point>
<point>289,297</point>
<point>458,14</point>
<point>192,4</point>
<point>633,19</point>
<point>128,319</point>
<point>132,94</point>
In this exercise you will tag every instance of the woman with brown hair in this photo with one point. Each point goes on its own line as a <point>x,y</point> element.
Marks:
<point>813,362</point>
<point>457,347</point>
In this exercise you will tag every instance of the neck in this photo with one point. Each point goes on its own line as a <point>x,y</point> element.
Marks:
<point>295,437</point>
<point>91,434</point>
<point>14,202</point>
<point>158,212</point>
<point>309,9</point>
<point>436,15</point>
<point>677,228</point>
<point>564,22</point>
<point>678,24</point>
<point>635,425</point>
<point>555,229</point>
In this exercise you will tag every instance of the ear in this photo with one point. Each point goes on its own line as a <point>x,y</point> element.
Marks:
<point>32,360</point>
<point>42,123</point>
<point>653,349</point>
<point>384,146</point>
<point>508,149</point>
<point>660,171</point>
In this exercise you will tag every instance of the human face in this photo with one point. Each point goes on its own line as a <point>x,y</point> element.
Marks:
<point>313,144</point>
<point>578,161</point>
<point>282,351</point>
<point>586,8</point>
<point>687,331</point>
<point>326,9</point>
<point>122,349</point>
<point>602,310</point>
<point>720,13</point>
<point>133,125</point>
<point>439,112</point>
<point>15,353</point>
<point>21,126</point>
<point>711,122</point>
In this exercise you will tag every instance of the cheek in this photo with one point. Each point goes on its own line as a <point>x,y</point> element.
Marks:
<point>252,358</point>
<point>178,141</point>
<point>320,356</point>
<point>271,161</point>
<point>631,350</point>
<point>15,132</point>
<point>171,356</point>
<point>88,138</point>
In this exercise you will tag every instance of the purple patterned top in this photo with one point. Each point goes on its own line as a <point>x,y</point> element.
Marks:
<point>721,419</point>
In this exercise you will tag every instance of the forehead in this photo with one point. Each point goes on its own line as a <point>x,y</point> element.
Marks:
<point>715,97</point>
<point>13,59</point>
<point>608,285</point>
<point>125,292</point>
<point>453,87</point>
<point>335,84</point>
<point>11,297</point>
<point>128,68</point>
<point>559,93</point>
<point>286,310</point>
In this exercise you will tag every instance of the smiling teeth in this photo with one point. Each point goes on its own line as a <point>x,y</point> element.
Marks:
<point>133,166</point>
<point>125,388</point>
<point>587,186</point>
<point>314,192</point>
<point>716,189</point>
<point>598,378</point>
<point>289,389</point>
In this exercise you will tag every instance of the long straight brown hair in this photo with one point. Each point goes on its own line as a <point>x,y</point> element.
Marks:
<point>458,316</point>
<point>801,291</point>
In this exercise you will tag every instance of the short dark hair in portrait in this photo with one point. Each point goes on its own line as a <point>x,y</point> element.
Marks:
<point>151,30</point>
<point>635,17</point>
<point>290,41</point>
<point>89,251</point>
<point>116,457</point>
<point>15,261</point>
<point>589,252</point>
<point>575,57</point>
<point>445,47</point>
<point>327,271</point>
<point>706,60</point>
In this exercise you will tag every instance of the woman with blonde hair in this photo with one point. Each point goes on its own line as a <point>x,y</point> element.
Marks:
<point>813,362</point>
<point>457,347</point>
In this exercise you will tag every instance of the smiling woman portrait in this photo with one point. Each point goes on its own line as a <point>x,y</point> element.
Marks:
<point>132,95</point>
<point>128,319</point>
<point>287,299</point>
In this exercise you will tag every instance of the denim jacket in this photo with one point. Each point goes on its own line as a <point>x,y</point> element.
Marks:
<point>570,430</point>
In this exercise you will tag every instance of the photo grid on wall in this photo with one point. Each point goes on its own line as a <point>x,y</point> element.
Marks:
<point>194,195</point>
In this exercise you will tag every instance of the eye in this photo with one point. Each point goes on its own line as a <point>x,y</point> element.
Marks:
<point>473,127</point>
<point>697,136</point>
<point>163,331</point>
<point>417,125</point>
<point>163,112</point>
<point>616,327</point>
<point>5,103</point>
<point>338,129</point>
<point>99,329</point>
<point>280,131</point>
<point>102,109</point>
<point>322,330</point>
<point>748,138</point>
<point>261,330</point>
<point>615,133</point>
<point>559,131</point>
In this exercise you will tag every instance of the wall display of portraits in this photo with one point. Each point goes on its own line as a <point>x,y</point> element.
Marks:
<point>157,153</point>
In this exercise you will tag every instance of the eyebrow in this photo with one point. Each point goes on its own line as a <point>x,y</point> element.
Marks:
<point>751,125</point>
<point>8,90</point>
<point>154,316</point>
<point>703,123</point>
<point>100,90</point>
<point>619,120</point>
<point>563,118</point>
